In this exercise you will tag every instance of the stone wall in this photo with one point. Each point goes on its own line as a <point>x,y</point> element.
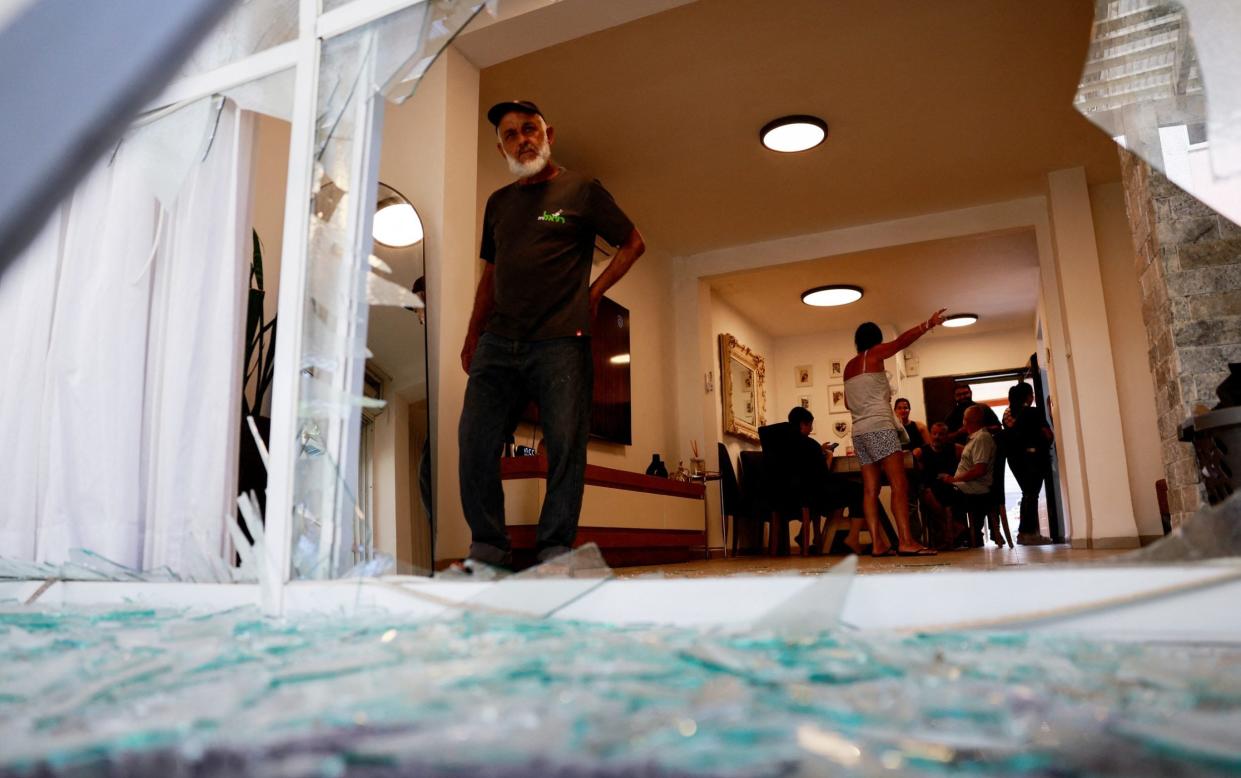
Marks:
<point>1189,266</point>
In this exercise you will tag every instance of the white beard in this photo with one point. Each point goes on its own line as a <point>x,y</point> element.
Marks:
<point>534,166</point>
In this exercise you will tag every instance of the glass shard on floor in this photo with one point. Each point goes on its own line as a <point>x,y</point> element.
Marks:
<point>141,691</point>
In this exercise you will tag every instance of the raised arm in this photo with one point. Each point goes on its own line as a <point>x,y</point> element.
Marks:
<point>484,302</point>
<point>906,338</point>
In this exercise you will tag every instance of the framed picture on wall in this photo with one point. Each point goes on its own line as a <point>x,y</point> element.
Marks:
<point>803,375</point>
<point>836,398</point>
<point>840,428</point>
<point>804,401</point>
<point>837,368</point>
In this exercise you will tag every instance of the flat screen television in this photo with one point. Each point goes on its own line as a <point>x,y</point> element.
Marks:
<point>611,416</point>
<point>610,412</point>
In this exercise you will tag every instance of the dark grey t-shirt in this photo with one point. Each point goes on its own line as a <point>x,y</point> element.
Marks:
<point>541,238</point>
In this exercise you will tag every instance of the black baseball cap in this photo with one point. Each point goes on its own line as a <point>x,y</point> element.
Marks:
<point>497,111</point>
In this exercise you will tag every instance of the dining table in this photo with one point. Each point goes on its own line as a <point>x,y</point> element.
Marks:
<point>850,466</point>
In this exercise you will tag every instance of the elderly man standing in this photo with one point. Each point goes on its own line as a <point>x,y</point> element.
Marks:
<point>975,470</point>
<point>529,332</point>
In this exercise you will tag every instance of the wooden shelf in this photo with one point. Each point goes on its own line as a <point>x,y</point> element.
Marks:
<point>596,475</point>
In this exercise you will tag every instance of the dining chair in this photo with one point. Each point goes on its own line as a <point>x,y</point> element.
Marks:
<point>734,508</point>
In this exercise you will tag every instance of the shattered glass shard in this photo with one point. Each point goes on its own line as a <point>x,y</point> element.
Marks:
<point>1160,79</point>
<point>120,691</point>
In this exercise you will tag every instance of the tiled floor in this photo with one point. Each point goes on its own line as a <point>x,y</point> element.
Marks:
<point>973,559</point>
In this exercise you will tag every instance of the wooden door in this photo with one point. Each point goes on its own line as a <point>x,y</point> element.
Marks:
<point>937,396</point>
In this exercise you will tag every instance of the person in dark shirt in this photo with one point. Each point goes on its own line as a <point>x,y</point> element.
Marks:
<point>916,430</point>
<point>918,436</point>
<point>939,457</point>
<point>1028,443</point>
<point>829,493</point>
<point>529,332</point>
<point>964,397</point>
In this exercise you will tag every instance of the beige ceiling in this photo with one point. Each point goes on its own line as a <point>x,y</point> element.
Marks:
<point>932,106</point>
<point>995,276</point>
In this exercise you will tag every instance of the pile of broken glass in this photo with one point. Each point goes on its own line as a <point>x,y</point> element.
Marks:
<point>137,690</point>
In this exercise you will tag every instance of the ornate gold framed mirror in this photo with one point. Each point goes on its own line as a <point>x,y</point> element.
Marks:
<point>741,380</point>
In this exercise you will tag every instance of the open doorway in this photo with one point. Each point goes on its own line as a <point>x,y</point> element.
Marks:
<point>993,392</point>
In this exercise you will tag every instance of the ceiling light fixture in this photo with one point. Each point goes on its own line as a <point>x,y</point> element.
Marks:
<point>793,133</point>
<point>829,296</point>
<point>961,320</point>
<point>396,222</point>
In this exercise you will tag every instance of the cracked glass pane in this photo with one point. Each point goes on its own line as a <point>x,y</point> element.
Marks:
<point>1160,79</point>
<point>331,531</point>
<point>250,27</point>
<point>332,5</point>
<point>161,229</point>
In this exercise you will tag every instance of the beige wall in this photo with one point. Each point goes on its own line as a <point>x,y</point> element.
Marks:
<point>818,351</point>
<point>430,154</point>
<point>726,319</point>
<point>391,472</point>
<point>1133,378</point>
<point>1104,515</point>
<point>270,174</point>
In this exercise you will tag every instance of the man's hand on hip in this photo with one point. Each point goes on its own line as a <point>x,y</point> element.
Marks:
<point>467,352</point>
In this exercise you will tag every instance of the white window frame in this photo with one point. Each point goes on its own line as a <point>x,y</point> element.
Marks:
<point>301,54</point>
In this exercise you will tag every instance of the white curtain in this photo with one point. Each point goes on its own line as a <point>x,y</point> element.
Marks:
<point>122,354</point>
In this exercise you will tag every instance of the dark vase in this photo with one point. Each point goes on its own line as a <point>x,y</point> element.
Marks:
<point>657,467</point>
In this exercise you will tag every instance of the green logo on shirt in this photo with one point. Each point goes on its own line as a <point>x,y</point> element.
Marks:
<point>553,217</point>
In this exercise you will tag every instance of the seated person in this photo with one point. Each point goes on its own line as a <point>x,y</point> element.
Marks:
<point>939,457</point>
<point>973,477</point>
<point>829,494</point>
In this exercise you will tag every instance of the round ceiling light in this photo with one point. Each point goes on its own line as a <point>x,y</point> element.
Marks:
<point>396,222</point>
<point>793,133</point>
<point>829,296</point>
<point>961,320</point>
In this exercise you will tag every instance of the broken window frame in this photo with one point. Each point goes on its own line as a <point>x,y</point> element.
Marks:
<point>316,30</point>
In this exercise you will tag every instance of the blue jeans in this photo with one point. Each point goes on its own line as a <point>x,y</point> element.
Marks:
<point>504,375</point>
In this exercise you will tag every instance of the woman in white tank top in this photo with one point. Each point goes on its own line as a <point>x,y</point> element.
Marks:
<point>876,439</point>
